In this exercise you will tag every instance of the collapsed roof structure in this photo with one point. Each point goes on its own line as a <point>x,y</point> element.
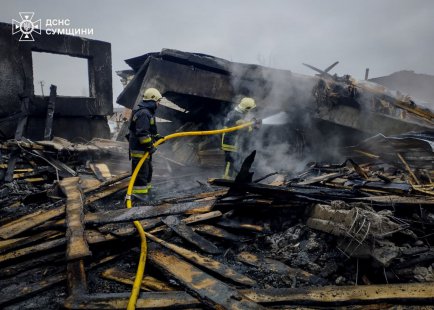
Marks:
<point>203,85</point>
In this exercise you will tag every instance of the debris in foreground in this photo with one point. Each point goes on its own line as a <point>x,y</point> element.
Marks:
<point>345,234</point>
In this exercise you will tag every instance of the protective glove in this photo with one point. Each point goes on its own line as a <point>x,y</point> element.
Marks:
<point>158,137</point>
<point>151,149</point>
<point>256,123</point>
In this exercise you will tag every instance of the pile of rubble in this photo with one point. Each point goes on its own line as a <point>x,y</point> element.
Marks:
<point>345,234</point>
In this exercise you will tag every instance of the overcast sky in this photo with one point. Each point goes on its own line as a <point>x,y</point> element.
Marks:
<point>384,35</point>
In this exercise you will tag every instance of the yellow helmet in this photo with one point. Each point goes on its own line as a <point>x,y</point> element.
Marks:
<point>246,104</point>
<point>152,94</point>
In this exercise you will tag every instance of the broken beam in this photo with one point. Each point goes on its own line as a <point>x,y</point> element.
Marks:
<point>187,233</point>
<point>205,262</point>
<point>208,289</point>
<point>77,247</point>
<point>140,213</point>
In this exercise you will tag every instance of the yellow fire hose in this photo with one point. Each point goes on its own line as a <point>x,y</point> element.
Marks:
<point>143,245</point>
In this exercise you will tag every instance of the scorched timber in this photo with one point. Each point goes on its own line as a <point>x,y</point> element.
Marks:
<point>77,245</point>
<point>140,213</point>
<point>205,262</point>
<point>293,192</point>
<point>189,235</point>
<point>39,217</point>
<point>208,289</point>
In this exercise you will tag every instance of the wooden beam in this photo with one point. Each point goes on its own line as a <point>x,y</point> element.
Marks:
<point>232,223</point>
<point>148,300</point>
<point>187,233</point>
<point>15,293</point>
<point>77,246</point>
<point>217,232</point>
<point>140,213</point>
<point>192,219</point>
<point>101,171</point>
<point>279,267</point>
<point>148,282</point>
<point>412,293</point>
<point>17,268</point>
<point>76,276</point>
<point>29,221</point>
<point>11,244</point>
<point>41,247</point>
<point>92,237</point>
<point>208,289</point>
<point>205,262</point>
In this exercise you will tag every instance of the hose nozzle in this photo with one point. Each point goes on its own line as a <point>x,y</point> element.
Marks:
<point>257,122</point>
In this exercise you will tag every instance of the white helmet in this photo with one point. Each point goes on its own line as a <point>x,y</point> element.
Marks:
<point>246,104</point>
<point>152,94</point>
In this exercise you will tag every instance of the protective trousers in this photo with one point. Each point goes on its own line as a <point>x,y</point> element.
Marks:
<point>144,176</point>
<point>232,161</point>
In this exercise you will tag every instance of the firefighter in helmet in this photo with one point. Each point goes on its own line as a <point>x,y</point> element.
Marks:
<point>143,133</point>
<point>231,142</point>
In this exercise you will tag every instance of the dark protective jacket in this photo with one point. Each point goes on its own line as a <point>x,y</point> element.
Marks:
<point>230,140</point>
<point>143,128</point>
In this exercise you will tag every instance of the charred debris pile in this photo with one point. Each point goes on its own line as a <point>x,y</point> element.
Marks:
<point>357,232</point>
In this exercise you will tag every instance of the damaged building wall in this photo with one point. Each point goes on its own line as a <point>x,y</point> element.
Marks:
<point>324,111</point>
<point>83,117</point>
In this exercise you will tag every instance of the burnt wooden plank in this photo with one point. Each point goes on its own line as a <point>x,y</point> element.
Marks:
<point>279,267</point>
<point>411,293</point>
<point>148,282</point>
<point>39,217</point>
<point>11,244</point>
<point>189,235</point>
<point>205,262</point>
<point>76,278</point>
<point>206,195</point>
<point>128,229</point>
<point>147,300</point>
<point>396,200</point>
<point>15,293</point>
<point>294,192</point>
<point>192,219</point>
<point>140,213</point>
<point>196,218</point>
<point>217,232</point>
<point>101,171</point>
<point>14,269</point>
<point>324,177</point>
<point>29,221</point>
<point>232,223</point>
<point>77,246</point>
<point>95,237</point>
<point>208,289</point>
<point>92,237</point>
<point>41,247</point>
